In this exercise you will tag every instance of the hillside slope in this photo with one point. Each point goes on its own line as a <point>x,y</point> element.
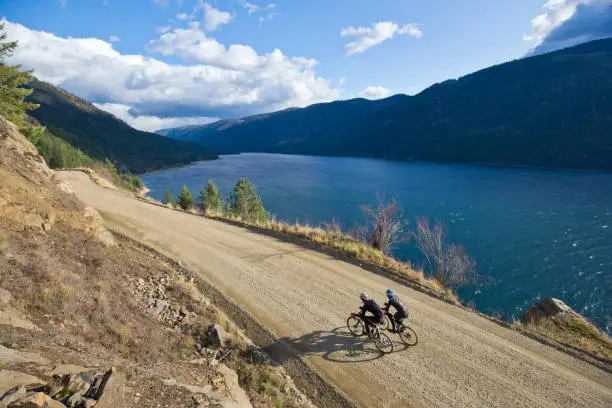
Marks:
<point>76,300</point>
<point>552,110</point>
<point>100,135</point>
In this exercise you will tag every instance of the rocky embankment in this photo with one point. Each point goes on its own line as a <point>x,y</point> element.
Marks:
<point>75,388</point>
<point>88,319</point>
<point>553,318</point>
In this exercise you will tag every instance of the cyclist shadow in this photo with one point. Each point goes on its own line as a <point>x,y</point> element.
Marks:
<point>337,345</point>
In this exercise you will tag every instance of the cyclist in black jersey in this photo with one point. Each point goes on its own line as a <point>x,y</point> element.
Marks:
<point>400,310</point>
<point>370,306</point>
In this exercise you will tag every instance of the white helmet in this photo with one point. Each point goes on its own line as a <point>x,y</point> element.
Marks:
<point>364,296</point>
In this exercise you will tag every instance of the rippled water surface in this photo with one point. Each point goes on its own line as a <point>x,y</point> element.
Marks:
<point>533,233</point>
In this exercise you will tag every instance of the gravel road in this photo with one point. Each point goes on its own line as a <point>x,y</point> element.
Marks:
<point>461,360</point>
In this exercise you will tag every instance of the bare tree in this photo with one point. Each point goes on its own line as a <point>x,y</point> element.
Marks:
<point>430,240</point>
<point>360,233</point>
<point>385,225</point>
<point>449,264</point>
<point>333,227</point>
<point>457,268</point>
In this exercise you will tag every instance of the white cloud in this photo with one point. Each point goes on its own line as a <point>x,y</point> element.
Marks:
<point>114,38</point>
<point>268,17</point>
<point>411,30</point>
<point>183,16</point>
<point>218,81</point>
<point>367,37</point>
<point>569,22</point>
<point>374,92</point>
<point>150,123</point>
<point>341,81</point>
<point>213,17</point>
<point>164,29</point>
<point>557,12</point>
<point>193,44</point>
<point>252,8</point>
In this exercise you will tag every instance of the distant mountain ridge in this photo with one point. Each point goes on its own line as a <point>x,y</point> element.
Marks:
<point>101,135</point>
<point>549,110</point>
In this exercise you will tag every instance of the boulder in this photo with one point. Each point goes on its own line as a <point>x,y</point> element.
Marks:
<point>546,309</point>
<point>36,400</point>
<point>79,383</point>
<point>216,336</point>
<point>12,395</point>
<point>225,392</point>
<point>111,390</point>
<point>87,403</point>
<point>238,398</point>
<point>70,386</point>
<point>11,379</point>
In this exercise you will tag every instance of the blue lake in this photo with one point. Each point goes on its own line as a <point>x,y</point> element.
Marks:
<point>533,233</point>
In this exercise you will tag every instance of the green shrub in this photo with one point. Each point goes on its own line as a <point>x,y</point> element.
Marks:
<point>244,202</point>
<point>59,154</point>
<point>185,199</point>
<point>169,198</point>
<point>124,180</point>
<point>211,200</point>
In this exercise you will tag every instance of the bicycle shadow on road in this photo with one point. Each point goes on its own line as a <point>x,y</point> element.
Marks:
<point>337,345</point>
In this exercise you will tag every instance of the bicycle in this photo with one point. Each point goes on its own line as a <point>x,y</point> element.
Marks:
<point>405,333</point>
<point>357,327</point>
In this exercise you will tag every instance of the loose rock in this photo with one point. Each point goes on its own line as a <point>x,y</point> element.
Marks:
<point>216,336</point>
<point>545,309</point>
<point>36,400</point>
<point>11,379</point>
<point>13,394</point>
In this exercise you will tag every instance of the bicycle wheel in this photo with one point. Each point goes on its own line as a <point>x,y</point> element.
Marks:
<point>387,325</point>
<point>382,342</point>
<point>408,336</point>
<point>355,326</point>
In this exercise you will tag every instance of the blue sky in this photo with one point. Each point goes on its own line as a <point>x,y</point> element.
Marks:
<point>159,63</point>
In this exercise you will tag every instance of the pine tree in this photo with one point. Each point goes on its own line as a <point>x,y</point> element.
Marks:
<point>185,199</point>
<point>12,96</point>
<point>169,198</point>
<point>244,202</point>
<point>211,200</point>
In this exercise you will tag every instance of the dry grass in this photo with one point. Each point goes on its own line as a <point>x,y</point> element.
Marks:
<point>53,300</point>
<point>332,237</point>
<point>575,332</point>
<point>266,385</point>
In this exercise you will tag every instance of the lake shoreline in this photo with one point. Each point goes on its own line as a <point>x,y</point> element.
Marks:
<point>391,160</point>
<point>522,226</point>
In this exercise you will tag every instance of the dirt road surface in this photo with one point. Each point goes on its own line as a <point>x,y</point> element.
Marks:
<point>461,360</point>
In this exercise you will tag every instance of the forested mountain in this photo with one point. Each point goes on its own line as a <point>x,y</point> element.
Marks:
<point>552,110</point>
<point>101,135</point>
